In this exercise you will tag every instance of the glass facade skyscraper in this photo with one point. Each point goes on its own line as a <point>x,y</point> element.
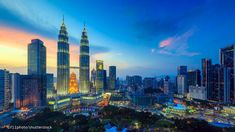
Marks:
<point>36,58</point>
<point>5,90</point>
<point>227,55</point>
<point>112,77</point>
<point>84,63</point>
<point>63,62</point>
<point>207,78</point>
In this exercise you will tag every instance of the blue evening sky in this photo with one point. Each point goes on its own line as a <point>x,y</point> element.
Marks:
<point>144,37</point>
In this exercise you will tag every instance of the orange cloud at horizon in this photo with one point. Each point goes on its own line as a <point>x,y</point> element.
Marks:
<point>13,48</point>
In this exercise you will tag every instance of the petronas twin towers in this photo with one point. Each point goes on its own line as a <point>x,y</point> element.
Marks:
<point>63,62</point>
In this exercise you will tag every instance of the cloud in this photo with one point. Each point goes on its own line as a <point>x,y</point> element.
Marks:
<point>177,45</point>
<point>166,42</point>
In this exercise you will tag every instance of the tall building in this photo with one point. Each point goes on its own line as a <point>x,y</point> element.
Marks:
<point>63,63</point>
<point>105,79</point>
<point>100,76</point>
<point>99,65</point>
<point>73,85</point>
<point>227,55</point>
<point>182,70</point>
<point>182,73</point>
<point>194,78</point>
<point>5,90</point>
<point>167,86</point>
<point>84,63</point>
<point>93,78</point>
<point>15,86</point>
<point>50,85</point>
<point>181,84</point>
<point>112,77</point>
<point>207,77</point>
<point>36,58</point>
<point>224,87</point>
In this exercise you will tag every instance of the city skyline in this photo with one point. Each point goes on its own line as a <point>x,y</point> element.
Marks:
<point>148,38</point>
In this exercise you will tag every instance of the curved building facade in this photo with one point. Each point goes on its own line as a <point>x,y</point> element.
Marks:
<point>84,61</point>
<point>63,63</point>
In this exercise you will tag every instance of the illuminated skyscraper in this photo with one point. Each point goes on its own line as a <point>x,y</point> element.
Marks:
<point>36,58</point>
<point>100,76</point>
<point>84,63</point>
<point>63,61</point>
<point>73,85</point>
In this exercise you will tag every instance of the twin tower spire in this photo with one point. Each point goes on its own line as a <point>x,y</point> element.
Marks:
<point>63,62</point>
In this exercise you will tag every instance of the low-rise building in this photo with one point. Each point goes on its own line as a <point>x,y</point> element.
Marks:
<point>197,92</point>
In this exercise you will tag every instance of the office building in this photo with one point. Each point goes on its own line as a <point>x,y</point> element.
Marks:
<point>15,86</point>
<point>100,76</point>
<point>181,84</point>
<point>182,70</point>
<point>207,78</point>
<point>194,78</point>
<point>227,60</point>
<point>112,77</point>
<point>5,90</point>
<point>36,58</point>
<point>50,85</point>
<point>167,89</point>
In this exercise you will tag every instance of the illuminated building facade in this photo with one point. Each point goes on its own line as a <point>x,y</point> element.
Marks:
<point>93,78</point>
<point>73,85</point>
<point>32,91</point>
<point>112,77</point>
<point>181,84</point>
<point>15,86</point>
<point>36,58</point>
<point>63,63</point>
<point>100,76</point>
<point>84,63</point>
<point>5,90</point>
<point>50,85</point>
<point>167,89</point>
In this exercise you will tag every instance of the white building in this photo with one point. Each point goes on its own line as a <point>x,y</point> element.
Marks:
<point>197,92</point>
<point>181,84</point>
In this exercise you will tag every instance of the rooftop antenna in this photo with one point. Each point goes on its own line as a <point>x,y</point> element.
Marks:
<point>63,18</point>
